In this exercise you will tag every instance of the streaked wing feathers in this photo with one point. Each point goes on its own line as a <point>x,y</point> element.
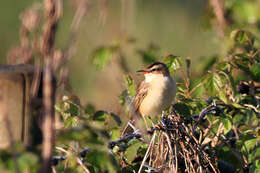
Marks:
<point>141,92</point>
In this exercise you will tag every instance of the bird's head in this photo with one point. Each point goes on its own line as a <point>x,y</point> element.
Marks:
<point>155,68</point>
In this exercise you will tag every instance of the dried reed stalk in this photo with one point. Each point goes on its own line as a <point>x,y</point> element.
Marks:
<point>183,150</point>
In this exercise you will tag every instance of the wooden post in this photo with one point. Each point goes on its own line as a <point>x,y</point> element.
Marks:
<point>15,109</point>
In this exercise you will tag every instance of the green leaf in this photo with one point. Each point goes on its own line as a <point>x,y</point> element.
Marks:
<point>237,119</point>
<point>28,161</point>
<point>147,56</point>
<point>123,97</point>
<point>227,122</point>
<point>223,97</point>
<point>74,109</point>
<point>246,11</point>
<point>100,116</point>
<point>89,109</point>
<point>222,66</point>
<point>209,64</point>
<point>255,72</point>
<point>102,160</point>
<point>188,63</point>
<point>116,118</point>
<point>254,155</point>
<point>131,151</point>
<point>71,122</point>
<point>236,105</point>
<point>250,144</point>
<point>106,120</point>
<point>173,62</point>
<point>115,134</point>
<point>213,84</point>
<point>131,87</point>
<point>255,167</point>
<point>182,109</point>
<point>101,57</point>
<point>232,83</point>
<point>196,87</point>
<point>242,37</point>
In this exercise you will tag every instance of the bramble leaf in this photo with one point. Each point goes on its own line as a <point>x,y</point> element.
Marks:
<point>173,62</point>
<point>213,84</point>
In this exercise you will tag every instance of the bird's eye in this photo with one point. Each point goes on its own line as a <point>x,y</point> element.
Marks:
<point>154,69</point>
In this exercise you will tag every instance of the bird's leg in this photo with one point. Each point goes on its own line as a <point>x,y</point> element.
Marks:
<point>145,122</point>
<point>151,121</point>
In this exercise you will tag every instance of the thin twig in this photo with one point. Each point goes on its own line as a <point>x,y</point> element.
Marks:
<point>147,153</point>
<point>202,114</point>
<point>124,139</point>
<point>82,165</point>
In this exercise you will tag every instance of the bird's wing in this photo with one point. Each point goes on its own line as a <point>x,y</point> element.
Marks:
<point>141,92</point>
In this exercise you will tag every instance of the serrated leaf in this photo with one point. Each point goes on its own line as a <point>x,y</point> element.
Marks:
<point>212,83</point>
<point>196,87</point>
<point>173,62</point>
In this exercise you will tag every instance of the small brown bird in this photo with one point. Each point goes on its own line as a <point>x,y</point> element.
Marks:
<point>155,93</point>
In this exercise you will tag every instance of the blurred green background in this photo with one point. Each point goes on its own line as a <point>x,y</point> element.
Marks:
<point>174,26</point>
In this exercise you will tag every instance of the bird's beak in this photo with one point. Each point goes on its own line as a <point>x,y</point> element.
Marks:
<point>142,71</point>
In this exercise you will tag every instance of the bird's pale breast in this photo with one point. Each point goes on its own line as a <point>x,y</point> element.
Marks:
<point>161,92</point>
